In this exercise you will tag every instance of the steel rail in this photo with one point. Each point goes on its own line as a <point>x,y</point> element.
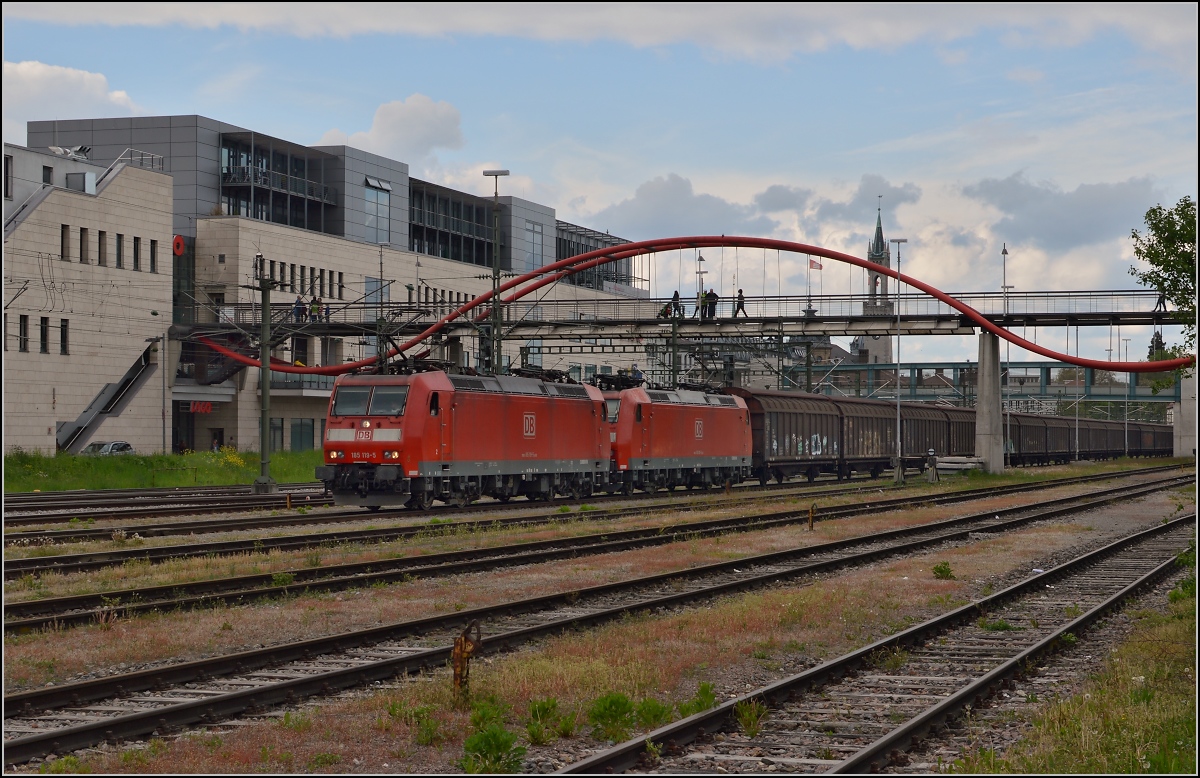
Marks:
<point>223,525</point>
<point>627,755</point>
<point>16,568</point>
<point>84,609</point>
<point>92,497</point>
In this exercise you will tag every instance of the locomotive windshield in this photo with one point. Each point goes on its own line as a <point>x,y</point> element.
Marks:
<point>388,401</point>
<point>351,400</point>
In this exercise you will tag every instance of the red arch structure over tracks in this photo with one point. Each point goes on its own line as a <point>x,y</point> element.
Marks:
<point>542,277</point>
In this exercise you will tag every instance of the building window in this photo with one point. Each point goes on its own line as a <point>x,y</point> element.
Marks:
<point>292,277</point>
<point>378,209</point>
<point>533,235</point>
<point>44,335</point>
<point>302,434</point>
<point>322,284</point>
<point>83,245</point>
<point>119,254</point>
<point>137,253</point>
<point>64,243</point>
<point>47,174</point>
<point>64,336</point>
<point>8,177</point>
<point>101,248</point>
<point>220,259</point>
<point>341,286</point>
<point>276,434</point>
<point>154,256</point>
<point>23,333</point>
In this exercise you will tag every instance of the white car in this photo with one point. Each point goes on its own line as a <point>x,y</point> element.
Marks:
<point>104,449</point>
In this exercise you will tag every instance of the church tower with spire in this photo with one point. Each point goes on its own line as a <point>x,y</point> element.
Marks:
<point>878,349</point>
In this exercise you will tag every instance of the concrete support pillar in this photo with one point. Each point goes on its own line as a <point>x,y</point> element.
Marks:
<point>1185,418</point>
<point>989,418</point>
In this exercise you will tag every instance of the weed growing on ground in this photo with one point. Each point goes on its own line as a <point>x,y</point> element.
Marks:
<point>889,659</point>
<point>652,713</point>
<point>63,765</point>
<point>750,715</point>
<point>997,625</point>
<point>543,720</point>
<point>942,571</point>
<point>488,711</point>
<point>705,698</point>
<point>611,717</point>
<point>492,750</point>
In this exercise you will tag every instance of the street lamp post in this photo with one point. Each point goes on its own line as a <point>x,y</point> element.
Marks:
<point>1004,287</point>
<point>1128,389</point>
<point>700,273</point>
<point>899,475</point>
<point>265,484</point>
<point>496,336</point>
<point>161,340</point>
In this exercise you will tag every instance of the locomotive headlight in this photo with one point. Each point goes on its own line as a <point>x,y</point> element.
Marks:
<point>337,454</point>
<point>366,423</point>
<point>391,455</point>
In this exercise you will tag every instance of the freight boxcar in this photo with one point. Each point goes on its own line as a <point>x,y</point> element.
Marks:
<point>792,433</point>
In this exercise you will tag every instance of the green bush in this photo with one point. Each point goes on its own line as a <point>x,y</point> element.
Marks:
<point>611,717</point>
<point>492,750</point>
<point>942,571</point>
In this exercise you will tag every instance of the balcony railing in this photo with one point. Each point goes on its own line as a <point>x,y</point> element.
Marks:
<point>280,182</point>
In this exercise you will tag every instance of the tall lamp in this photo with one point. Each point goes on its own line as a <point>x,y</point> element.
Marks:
<point>899,449</point>
<point>496,338</point>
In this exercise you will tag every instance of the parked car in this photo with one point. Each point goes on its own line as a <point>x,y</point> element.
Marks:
<point>106,448</point>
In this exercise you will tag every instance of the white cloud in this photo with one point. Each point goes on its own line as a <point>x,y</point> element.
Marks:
<point>37,91</point>
<point>756,31</point>
<point>408,130</point>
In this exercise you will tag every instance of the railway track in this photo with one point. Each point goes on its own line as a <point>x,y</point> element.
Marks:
<point>16,515</point>
<point>69,563</point>
<point>67,717</point>
<point>860,712</point>
<point>540,516</point>
<point>82,609</point>
<point>95,498</point>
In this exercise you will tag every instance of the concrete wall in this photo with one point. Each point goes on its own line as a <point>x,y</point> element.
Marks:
<point>108,310</point>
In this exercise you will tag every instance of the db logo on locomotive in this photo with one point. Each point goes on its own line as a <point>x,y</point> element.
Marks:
<point>530,425</point>
<point>699,428</point>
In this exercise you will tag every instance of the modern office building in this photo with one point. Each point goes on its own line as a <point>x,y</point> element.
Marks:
<point>331,222</point>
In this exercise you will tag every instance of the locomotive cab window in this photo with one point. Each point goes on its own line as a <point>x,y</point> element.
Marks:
<point>351,400</point>
<point>433,404</point>
<point>612,407</point>
<point>388,401</point>
<point>638,413</point>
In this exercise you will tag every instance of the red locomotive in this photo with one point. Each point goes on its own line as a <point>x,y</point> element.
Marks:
<point>665,439</point>
<point>412,439</point>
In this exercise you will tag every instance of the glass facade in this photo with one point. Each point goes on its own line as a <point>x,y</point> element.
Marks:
<point>378,208</point>
<point>449,224</point>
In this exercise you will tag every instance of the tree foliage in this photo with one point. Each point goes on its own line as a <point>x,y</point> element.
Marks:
<point>1169,249</point>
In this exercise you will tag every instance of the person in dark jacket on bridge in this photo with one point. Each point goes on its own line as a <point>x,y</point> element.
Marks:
<point>712,298</point>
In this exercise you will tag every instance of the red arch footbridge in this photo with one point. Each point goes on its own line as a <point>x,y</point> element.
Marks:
<point>520,286</point>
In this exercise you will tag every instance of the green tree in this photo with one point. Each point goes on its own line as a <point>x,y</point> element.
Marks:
<point>1169,249</point>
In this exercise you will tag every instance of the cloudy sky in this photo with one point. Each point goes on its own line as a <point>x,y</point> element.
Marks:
<point>1048,128</point>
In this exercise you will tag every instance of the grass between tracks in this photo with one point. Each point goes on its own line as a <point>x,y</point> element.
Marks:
<point>1137,716</point>
<point>28,472</point>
